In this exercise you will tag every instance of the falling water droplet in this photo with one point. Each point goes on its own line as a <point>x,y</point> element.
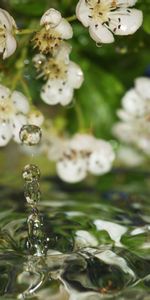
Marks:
<point>30,134</point>
<point>31,172</point>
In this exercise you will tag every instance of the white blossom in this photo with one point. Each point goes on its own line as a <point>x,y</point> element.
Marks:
<point>63,77</point>
<point>134,125</point>
<point>7,41</point>
<point>107,17</point>
<point>83,154</point>
<point>54,30</point>
<point>13,114</point>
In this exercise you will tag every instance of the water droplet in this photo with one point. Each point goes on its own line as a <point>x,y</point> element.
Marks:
<point>31,172</point>
<point>30,134</point>
<point>99,45</point>
<point>32,193</point>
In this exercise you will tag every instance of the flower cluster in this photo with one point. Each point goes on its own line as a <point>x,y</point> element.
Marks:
<point>83,154</point>
<point>13,110</point>
<point>107,17</point>
<point>62,75</point>
<point>134,125</point>
<point>7,40</point>
<point>14,113</point>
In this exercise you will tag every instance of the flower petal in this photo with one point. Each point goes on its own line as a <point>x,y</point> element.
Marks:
<point>71,171</point>
<point>20,102</point>
<point>83,12</point>
<point>82,142</point>
<point>7,20</point>
<point>4,92</point>
<point>125,3</point>
<point>5,133</point>
<point>51,17</point>
<point>134,104</point>
<point>17,122</point>
<point>142,85</point>
<point>56,91</point>
<point>65,29</point>
<point>125,21</point>
<point>100,161</point>
<point>100,34</point>
<point>36,118</point>
<point>10,45</point>
<point>75,75</point>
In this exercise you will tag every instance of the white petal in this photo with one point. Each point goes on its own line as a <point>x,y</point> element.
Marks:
<point>134,104</point>
<point>142,85</point>
<point>20,102</point>
<point>124,22</point>
<point>125,132</point>
<point>51,17</point>
<point>63,52</point>
<point>71,171</point>
<point>100,34</point>
<point>55,92</point>
<point>16,123</point>
<point>124,115</point>
<point>100,160</point>
<point>125,3</point>
<point>7,20</point>
<point>36,118</point>
<point>75,75</point>
<point>4,92</point>
<point>83,12</point>
<point>82,142</point>
<point>10,46</point>
<point>5,133</point>
<point>65,29</point>
<point>128,156</point>
<point>99,164</point>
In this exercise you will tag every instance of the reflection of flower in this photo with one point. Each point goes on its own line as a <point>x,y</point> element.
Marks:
<point>83,154</point>
<point>134,126</point>
<point>13,109</point>
<point>63,76</point>
<point>54,30</point>
<point>105,18</point>
<point>7,40</point>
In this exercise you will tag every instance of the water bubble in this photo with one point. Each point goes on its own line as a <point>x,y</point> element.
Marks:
<point>30,134</point>
<point>31,172</point>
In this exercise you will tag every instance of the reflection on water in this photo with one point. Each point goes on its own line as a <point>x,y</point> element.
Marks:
<point>98,242</point>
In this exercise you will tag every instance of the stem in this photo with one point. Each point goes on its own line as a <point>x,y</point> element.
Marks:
<point>80,117</point>
<point>25,31</point>
<point>26,90</point>
<point>72,18</point>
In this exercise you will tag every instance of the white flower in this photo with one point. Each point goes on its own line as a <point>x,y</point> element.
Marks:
<point>63,77</point>
<point>7,41</point>
<point>107,17</point>
<point>83,154</point>
<point>13,109</point>
<point>128,156</point>
<point>134,127</point>
<point>54,30</point>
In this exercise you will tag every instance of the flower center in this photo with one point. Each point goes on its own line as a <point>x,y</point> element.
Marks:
<point>2,36</point>
<point>100,9</point>
<point>55,69</point>
<point>47,40</point>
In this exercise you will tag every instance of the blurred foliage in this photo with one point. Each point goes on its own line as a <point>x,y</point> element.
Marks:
<point>109,70</point>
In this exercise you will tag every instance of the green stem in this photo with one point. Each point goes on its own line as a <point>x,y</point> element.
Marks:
<point>80,117</point>
<point>25,31</point>
<point>72,18</point>
<point>26,90</point>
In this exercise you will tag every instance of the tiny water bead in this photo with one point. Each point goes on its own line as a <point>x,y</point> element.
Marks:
<point>30,135</point>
